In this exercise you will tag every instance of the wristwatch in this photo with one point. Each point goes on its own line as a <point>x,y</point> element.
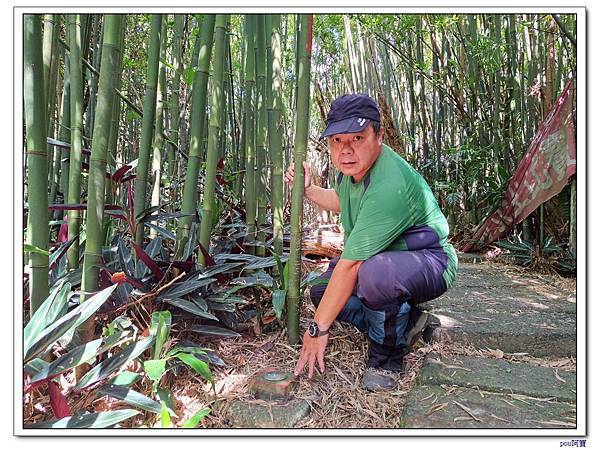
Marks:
<point>314,331</point>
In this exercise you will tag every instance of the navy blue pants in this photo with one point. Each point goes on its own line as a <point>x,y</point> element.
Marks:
<point>388,284</point>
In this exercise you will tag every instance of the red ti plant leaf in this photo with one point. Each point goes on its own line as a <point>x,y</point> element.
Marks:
<point>120,173</point>
<point>210,262</point>
<point>60,252</point>
<point>132,225</point>
<point>59,404</point>
<point>63,231</point>
<point>148,261</point>
<point>128,177</point>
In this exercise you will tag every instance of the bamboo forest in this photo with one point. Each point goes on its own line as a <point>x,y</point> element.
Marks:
<point>168,262</point>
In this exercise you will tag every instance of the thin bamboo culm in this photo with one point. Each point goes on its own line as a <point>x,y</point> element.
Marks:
<point>37,159</point>
<point>300,144</point>
<point>214,129</point>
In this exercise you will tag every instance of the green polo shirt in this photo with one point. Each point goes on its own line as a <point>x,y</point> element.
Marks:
<point>391,198</point>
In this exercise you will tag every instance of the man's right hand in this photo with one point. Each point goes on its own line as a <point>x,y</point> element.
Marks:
<point>289,175</point>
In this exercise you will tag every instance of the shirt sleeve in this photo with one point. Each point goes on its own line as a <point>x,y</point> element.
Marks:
<point>384,215</point>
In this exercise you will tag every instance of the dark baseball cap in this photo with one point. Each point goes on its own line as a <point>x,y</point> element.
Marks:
<point>351,113</point>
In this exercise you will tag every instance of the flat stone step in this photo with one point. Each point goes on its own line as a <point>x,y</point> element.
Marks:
<point>487,308</point>
<point>266,414</point>
<point>499,375</point>
<point>436,407</point>
<point>470,392</point>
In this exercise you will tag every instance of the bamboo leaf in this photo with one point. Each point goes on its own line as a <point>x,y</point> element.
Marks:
<point>34,366</point>
<point>260,279</point>
<point>164,216</point>
<point>54,306</point>
<point>193,421</point>
<point>165,419</point>
<point>214,331</point>
<point>191,242</point>
<point>108,366</point>
<point>201,303</point>
<point>125,378</point>
<point>224,298</point>
<point>163,330</point>
<point>162,231</point>
<point>88,420</point>
<point>33,249</point>
<point>155,320</point>
<point>185,287</point>
<point>219,268</point>
<point>236,257</point>
<point>74,358</point>
<point>58,253</point>
<point>152,209</point>
<point>200,367</point>
<point>131,397</point>
<point>278,301</point>
<point>312,279</point>
<point>189,307</point>
<point>221,307</point>
<point>67,323</point>
<point>261,263</point>
<point>155,368</point>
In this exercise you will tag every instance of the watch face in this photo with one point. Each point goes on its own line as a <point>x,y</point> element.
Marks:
<point>313,330</point>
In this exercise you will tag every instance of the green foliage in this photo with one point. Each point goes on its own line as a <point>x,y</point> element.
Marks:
<point>550,254</point>
<point>193,421</point>
<point>88,420</point>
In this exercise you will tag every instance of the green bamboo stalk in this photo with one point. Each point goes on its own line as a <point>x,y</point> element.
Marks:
<point>573,219</point>
<point>64,152</point>
<point>76,108</point>
<point>249,125</point>
<point>261,132</point>
<point>92,258</point>
<point>142,175</point>
<point>47,50</point>
<point>50,52</point>
<point>113,139</point>
<point>300,145</point>
<point>352,62</point>
<point>225,97</point>
<point>175,92</point>
<point>214,129</point>
<point>64,135</point>
<point>241,156</point>
<point>96,47</point>
<point>276,134</point>
<point>157,146</point>
<point>198,113</point>
<point>37,165</point>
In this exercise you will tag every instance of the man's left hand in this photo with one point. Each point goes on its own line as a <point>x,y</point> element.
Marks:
<point>313,349</point>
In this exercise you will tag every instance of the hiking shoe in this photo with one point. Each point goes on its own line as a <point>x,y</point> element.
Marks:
<point>417,322</point>
<point>378,379</point>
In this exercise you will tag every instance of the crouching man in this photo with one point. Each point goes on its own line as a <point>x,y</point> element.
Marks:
<point>396,251</point>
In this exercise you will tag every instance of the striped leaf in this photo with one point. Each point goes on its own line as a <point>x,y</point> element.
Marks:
<point>88,420</point>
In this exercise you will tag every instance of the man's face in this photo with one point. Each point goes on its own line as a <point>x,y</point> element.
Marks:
<point>353,154</point>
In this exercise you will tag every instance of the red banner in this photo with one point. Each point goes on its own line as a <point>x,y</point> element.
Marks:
<point>542,173</point>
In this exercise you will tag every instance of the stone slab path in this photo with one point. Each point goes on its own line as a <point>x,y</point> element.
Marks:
<point>493,310</point>
<point>488,308</point>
